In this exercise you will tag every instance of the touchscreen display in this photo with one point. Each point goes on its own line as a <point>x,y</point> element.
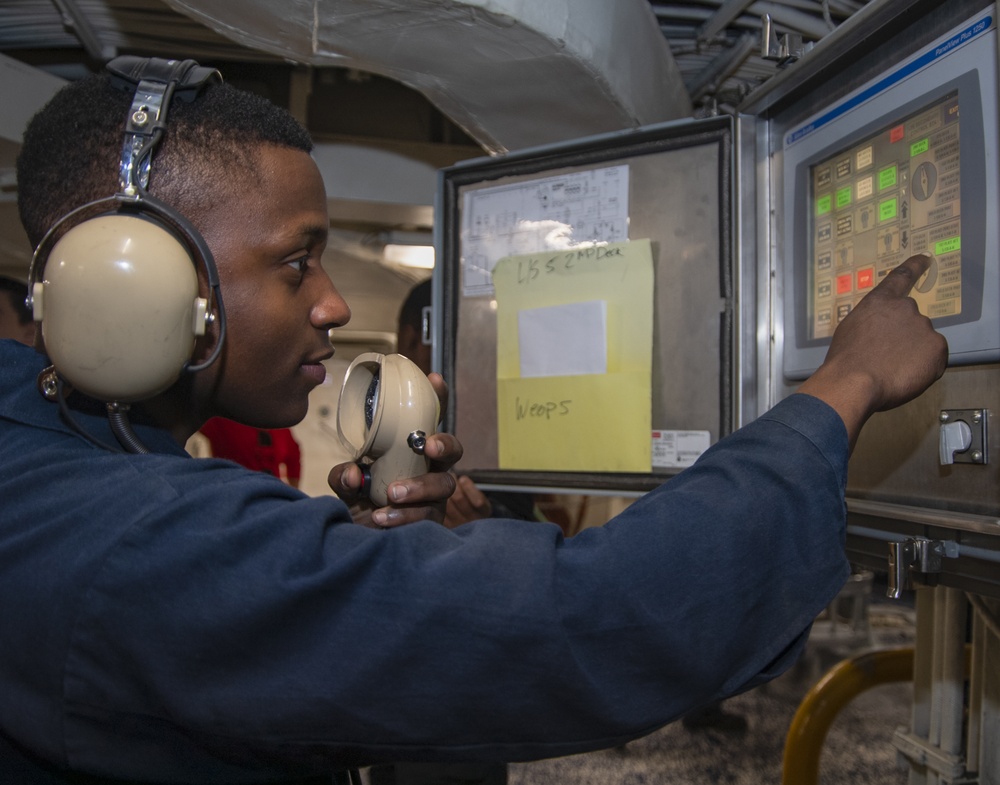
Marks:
<point>879,201</point>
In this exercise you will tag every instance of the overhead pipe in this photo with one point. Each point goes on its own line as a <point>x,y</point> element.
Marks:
<point>724,65</point>
<point>76,22</point>
<point>722,18</point>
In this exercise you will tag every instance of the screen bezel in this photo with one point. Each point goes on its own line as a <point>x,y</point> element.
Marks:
<point>973,201</point>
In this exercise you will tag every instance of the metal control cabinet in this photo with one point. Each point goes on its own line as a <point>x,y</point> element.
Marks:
<point>900,488</point>
<point>924,480</point>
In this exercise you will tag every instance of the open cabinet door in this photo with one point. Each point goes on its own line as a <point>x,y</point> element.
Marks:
<point>587,316</point>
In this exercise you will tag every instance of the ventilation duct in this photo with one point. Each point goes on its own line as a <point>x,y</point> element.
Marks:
<point>512,73</point>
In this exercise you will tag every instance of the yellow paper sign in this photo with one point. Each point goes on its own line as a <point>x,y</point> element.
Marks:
<point>574,359</point>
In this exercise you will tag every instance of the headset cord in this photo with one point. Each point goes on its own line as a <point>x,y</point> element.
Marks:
<point>117,418</point>
<point>65,412</point>
<point>122,429</point>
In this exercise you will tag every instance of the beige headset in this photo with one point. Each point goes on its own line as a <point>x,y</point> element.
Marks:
<point>116,296</point>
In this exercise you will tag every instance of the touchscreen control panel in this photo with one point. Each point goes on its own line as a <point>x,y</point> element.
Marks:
<point>881,200</point>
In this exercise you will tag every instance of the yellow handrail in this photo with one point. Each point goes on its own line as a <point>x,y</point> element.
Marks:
<point>822,704</point>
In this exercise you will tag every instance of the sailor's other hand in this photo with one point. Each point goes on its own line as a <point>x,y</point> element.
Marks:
<point>467,503</point>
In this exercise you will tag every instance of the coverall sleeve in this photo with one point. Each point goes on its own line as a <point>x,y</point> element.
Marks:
<point>240,623</point>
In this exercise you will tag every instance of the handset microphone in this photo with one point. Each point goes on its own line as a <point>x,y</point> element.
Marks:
<point>387,409</point>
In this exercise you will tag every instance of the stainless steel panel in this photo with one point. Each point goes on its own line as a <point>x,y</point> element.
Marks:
<point>896,458</point>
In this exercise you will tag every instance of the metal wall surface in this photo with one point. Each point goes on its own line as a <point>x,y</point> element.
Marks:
<point>896,459</point>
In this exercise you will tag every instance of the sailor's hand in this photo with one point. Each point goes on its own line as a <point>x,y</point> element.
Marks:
<point>883,354</point>
<point>411,499</point>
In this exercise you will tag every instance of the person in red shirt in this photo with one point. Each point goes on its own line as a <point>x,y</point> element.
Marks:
<point>273,451</point>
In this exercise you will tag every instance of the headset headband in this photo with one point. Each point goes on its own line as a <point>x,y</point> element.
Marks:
<point>154,83</point>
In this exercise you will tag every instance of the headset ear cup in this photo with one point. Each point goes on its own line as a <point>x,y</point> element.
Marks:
<point>119,307</point>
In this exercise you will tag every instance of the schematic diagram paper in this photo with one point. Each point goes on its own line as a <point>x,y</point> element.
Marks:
<point>548,214</point>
